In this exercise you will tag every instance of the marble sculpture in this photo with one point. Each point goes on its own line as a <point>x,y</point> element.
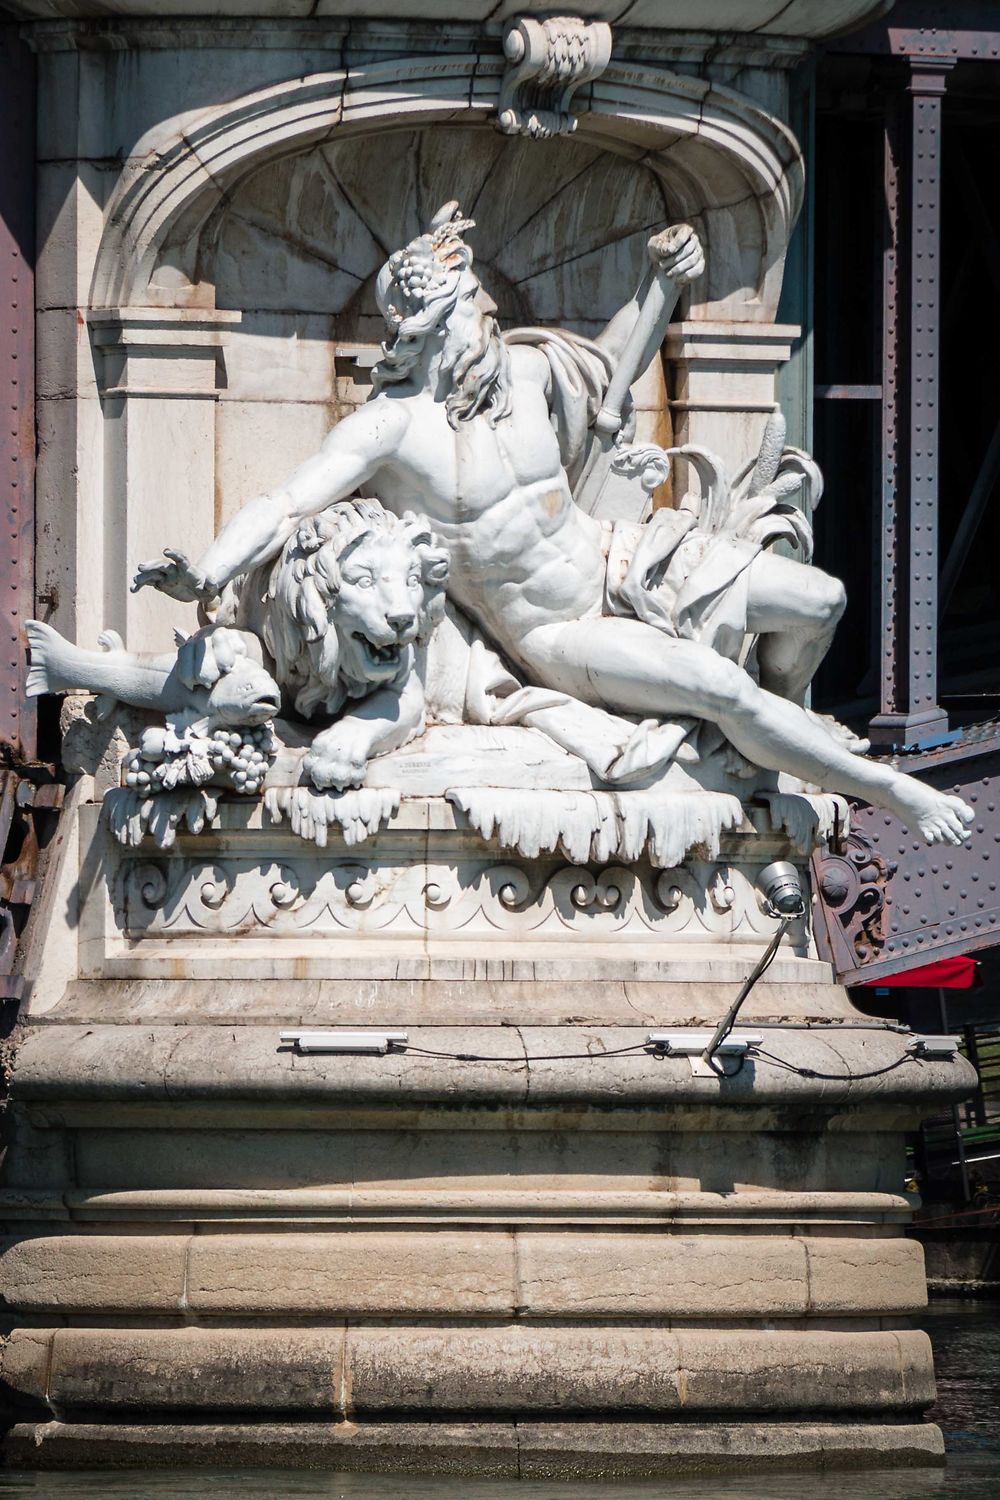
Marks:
<point>353,594</point>
<point>482,580</point>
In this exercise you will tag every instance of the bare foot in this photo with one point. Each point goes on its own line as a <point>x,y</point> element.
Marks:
<point>939,817</point>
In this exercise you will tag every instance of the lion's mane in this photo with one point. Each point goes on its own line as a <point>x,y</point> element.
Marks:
<point>290,603</point>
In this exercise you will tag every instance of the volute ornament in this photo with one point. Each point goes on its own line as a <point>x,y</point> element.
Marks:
<point>548,60</point>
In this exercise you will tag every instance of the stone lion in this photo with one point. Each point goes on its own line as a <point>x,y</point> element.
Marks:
<point>343,611</point>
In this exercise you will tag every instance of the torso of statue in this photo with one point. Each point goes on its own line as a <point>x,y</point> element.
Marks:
<point>522,553</point>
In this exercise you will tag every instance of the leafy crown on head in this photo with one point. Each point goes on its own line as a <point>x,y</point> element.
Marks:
<point>427,266</point>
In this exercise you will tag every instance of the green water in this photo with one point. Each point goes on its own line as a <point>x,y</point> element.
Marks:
<point>966,1339</point>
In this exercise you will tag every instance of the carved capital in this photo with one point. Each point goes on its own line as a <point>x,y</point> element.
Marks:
<point>548,60</point>
<point>157,352</point>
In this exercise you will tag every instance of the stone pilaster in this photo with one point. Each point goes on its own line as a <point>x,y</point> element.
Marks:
<point>159,371</point>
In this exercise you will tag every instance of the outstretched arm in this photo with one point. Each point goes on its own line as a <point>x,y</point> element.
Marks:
<point>675,253</point>
<point>354,449</point>
<point>636,333</point>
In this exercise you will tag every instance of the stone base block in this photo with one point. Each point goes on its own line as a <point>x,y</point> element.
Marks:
<point>515,1369</point>
<point>496,1272</point>
<point>490,1450</point>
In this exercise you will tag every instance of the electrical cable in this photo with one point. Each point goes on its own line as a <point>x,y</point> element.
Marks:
<point>762,965</point>
<point>781,1062</point>
<point>721,1072</point>
<point>541,1057</point>
<point>653,1049</point>
<point>725,1026</point>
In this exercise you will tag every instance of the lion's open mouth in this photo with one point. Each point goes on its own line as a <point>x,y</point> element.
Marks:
<point>381,656</point>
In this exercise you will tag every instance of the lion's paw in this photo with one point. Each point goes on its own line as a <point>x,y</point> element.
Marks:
<point>332,766</point>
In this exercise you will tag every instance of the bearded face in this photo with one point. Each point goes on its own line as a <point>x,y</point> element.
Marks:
<point>468,329</point>
<point>430,296</point>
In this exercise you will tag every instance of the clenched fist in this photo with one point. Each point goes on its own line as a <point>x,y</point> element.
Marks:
<point>677,251</point>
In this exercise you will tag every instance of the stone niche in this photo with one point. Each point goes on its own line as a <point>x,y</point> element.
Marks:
<point>561,227</point>
<point>220,259</point>
<point>528,1245</point>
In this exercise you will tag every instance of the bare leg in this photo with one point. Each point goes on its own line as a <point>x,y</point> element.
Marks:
<point>795,609</point>
<point>630,667</point>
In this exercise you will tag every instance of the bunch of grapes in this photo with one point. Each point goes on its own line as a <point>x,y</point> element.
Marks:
<point>238,758</point>
<point>139,773</point>
<point>241,757</point>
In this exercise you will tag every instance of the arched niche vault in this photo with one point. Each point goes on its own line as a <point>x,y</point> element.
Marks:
<point>233,281</point>
<point>720,161</point>
<point>561,226</point>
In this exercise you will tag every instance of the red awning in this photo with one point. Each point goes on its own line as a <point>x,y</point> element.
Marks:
<point>945,974</point>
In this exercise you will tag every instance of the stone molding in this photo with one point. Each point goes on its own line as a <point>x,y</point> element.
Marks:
<point>722,382</point>
<point>535,1369</point>
<point>160,352</point>
<point>366,39</point>
<point>497,1272</point>
<point>690,1212</point>
<point>726,163</point>
<point>706,351</point>
<point>516,1451</point>
<point>761,21</point>
<point>331,896</point>
<point>67,1072</point>
<point>425,895</point>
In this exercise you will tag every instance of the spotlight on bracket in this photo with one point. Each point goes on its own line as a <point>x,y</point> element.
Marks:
<point>699,1047</point>
<point>781,886</point>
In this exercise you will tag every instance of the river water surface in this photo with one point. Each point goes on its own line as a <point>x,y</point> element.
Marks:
<point>966,1339</point>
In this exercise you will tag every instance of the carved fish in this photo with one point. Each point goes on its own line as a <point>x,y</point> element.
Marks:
<point>215,676</point>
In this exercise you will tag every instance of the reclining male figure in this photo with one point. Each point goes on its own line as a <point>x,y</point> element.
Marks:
<point>460,426</point>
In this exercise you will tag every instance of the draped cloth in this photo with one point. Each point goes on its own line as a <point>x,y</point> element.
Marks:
<point>688,583</point>
<point>580,372</point>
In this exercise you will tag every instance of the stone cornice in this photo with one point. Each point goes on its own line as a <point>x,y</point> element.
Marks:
<point>364,40</point>
<point>808,20</point>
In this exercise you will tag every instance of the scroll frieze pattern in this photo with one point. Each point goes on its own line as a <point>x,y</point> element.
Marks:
<point>344,895</point>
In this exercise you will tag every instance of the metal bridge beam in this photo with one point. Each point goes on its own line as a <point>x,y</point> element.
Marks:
<point>17,393</point>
